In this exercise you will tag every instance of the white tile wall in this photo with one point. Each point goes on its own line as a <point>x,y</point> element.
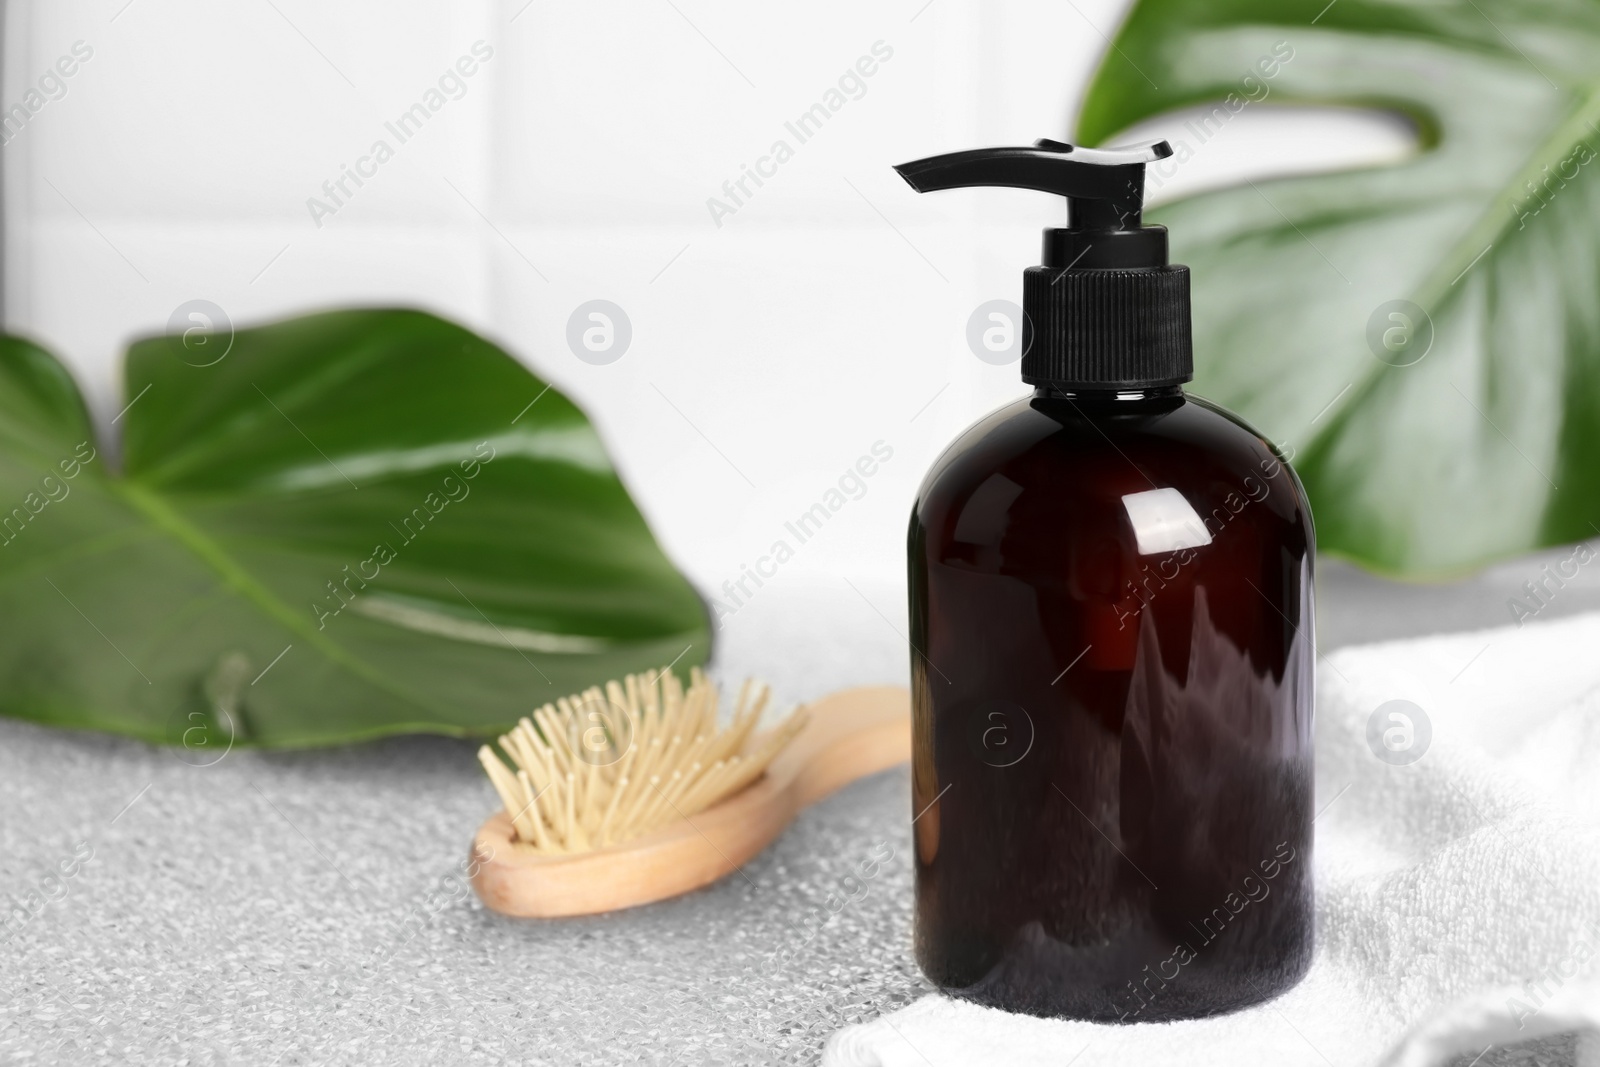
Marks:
<point>768,352</point>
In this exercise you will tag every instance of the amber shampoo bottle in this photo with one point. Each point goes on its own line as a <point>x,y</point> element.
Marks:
<point>1112,652</point>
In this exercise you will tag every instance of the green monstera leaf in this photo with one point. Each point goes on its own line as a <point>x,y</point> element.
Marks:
<point>1424,336</point>
<point>340,526</point>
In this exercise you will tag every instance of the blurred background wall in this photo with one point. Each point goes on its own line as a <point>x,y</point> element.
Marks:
<point>566,152</point>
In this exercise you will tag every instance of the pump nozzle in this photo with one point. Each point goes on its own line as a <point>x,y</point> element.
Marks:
<point>1104,189</point>
<point>1105,310</point>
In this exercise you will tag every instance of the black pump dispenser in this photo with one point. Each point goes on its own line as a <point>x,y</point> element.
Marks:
<point>1105,311</point>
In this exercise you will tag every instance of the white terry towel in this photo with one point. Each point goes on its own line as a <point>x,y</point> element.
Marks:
<point>1458,894</point>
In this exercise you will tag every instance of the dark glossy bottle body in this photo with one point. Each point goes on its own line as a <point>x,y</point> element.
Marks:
<point>1112,674</point>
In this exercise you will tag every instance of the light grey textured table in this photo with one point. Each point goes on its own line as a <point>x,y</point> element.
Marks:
<point>309,908</point>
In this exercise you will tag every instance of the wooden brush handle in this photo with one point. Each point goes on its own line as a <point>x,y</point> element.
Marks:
<point>850,734</point>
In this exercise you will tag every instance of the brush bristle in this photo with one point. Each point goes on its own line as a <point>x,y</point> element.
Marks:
<point>613,763</point>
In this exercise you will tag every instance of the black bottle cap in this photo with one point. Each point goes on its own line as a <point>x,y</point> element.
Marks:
<point>1105,310</point>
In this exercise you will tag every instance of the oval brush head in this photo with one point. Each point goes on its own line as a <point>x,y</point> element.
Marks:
<point>608,765</point>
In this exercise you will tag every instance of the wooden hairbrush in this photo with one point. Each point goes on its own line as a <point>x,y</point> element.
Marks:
<point>636,792</point>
